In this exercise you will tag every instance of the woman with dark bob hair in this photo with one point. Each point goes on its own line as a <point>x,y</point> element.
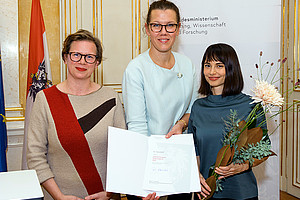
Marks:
<point>67,133</point>
<point>222,84</point>
<point>233,83</point>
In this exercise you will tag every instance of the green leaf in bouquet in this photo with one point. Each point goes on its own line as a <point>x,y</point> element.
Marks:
<point>259,161</point>
<point>231,128</point>
<point>254,153</point>
<point>219,187</point>
<point>265,134</point>
<point>252,124</point>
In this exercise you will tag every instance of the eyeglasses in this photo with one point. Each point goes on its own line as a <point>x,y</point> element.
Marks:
<point>89,58</point>
<point>170,28</point>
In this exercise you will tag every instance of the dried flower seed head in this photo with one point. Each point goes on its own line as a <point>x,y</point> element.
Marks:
<point>284,60</point>
<point>279,60</point>
<point>260,54</point>
<point>256,65</point>
<point>267,62</point>
<point>272,64</point>
<point>297,84</point>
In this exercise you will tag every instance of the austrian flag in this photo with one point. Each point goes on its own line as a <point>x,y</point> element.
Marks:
<point>39,72</point>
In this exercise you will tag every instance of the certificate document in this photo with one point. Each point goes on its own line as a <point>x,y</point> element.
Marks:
<point>139,165</point>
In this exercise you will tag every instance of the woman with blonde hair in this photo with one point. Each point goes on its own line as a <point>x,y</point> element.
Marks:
<point>67,133</point>
<point>160,85</point>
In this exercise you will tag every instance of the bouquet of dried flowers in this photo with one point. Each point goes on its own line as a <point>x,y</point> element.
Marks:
<point>244,141</point>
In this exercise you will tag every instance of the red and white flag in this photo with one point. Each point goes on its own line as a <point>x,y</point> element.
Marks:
<point>39,72</point>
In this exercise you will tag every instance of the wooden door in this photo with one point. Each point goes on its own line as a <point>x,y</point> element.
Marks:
<point>290,139</point>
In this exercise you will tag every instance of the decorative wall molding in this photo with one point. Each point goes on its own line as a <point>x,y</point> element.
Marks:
<point>296,66</point>
<point>11,114</point>
<point>296,146</point>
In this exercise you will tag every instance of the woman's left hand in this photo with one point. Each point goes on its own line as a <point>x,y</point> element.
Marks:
<point>231,169</point>
<point>177,129</point>
<point>151,196</point>
<point>99,196</point>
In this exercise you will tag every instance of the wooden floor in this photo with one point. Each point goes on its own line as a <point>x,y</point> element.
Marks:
<point>283,196</point>
<point>286,196</point>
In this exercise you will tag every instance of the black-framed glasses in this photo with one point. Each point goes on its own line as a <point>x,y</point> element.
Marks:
<point>89,58</point>
<point>170,28</point>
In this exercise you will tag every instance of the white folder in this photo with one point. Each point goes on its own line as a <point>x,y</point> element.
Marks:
<point>20,185</point>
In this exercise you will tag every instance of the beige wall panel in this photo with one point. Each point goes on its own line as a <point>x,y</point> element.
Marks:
<point>118,24</point>
<point>51,15</point>
<point>24,21</point>
<point>144,37</point>
<point>117,39</point>
<point>139,36</point>
<point>87,19</point>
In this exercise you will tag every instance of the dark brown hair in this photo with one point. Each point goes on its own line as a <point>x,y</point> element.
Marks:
<point>163,5</point>
<point>234,83</point>
<point>82,35</point>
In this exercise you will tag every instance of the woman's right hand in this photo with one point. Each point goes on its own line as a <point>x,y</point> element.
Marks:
<point>151,197</point>
<point>176,130</point>
<point>99,196</point>
<point>70,197</point>
<point>205,189</point>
